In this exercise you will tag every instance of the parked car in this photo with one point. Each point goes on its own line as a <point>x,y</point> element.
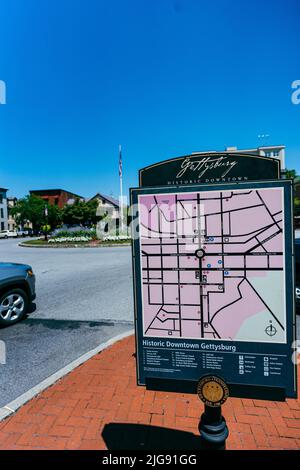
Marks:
<point>297,256</point>
<point>8,234</point>
<point>17,291</point>
<point>25,233</point>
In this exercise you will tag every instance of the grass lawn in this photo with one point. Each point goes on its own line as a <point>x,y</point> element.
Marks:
<point>34,242</point>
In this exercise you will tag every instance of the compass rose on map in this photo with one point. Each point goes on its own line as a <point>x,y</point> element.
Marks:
<point>271,330</point>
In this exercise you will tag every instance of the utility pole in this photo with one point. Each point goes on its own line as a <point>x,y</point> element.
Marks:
<point>121,188</point>
<point>46,225</point>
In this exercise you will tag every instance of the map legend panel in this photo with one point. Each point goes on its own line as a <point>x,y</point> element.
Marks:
<point>186,358</point>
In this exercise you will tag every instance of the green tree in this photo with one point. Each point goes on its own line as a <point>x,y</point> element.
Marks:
<point>297,206</point>
<point>290,174</point>
<point>80,213</point>
<point>54,216</point>
<point>31,209</point>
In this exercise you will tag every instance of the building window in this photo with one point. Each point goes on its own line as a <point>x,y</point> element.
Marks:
<point>2,213</point>
<point>276,153</point>
<point>56,201</point>
<point>2,225</point>
<point>268,154</point>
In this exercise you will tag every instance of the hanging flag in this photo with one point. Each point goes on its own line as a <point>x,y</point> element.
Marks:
<point>120,161</point>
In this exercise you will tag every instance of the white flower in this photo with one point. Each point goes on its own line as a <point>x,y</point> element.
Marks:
<point>116,238</point>
<point>69,239</point>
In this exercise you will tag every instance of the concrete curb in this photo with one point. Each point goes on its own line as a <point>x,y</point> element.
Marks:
<point>112,245</point>
<point>14,405</point>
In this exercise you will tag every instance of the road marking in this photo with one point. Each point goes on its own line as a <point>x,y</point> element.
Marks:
<point>14,405</point>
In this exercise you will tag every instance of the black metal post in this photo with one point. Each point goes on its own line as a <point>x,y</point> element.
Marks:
<point>213,429</point>
<point>46,224</point>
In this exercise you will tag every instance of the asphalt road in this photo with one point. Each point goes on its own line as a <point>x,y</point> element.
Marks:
<point>84,298</point>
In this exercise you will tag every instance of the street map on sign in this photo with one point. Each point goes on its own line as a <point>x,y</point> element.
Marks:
<point>212,265</point>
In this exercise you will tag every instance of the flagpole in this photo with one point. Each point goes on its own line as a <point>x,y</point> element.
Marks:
<point>121,188</point>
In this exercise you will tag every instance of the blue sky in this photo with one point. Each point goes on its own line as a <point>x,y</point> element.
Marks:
<point>161,77</point>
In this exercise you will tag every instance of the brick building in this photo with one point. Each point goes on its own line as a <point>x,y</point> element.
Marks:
<point>56,197</point>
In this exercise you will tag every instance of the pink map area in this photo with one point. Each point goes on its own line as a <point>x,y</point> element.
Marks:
<point>200,255</point>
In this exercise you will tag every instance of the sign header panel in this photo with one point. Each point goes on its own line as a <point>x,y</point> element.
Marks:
<point>210,168</point>
<point>214,283</point>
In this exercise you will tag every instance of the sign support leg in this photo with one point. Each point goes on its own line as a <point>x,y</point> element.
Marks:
<point>213,429</point>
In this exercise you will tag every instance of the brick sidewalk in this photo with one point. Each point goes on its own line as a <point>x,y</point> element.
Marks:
<point>100,398</point>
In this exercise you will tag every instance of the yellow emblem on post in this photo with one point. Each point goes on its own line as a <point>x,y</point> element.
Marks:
<point>212,390</point>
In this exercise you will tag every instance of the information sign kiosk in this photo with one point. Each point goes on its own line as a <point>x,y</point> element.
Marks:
<point>213,260</point>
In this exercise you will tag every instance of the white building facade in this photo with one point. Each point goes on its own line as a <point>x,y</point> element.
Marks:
<point>11,222</point>
<point>3,209</point>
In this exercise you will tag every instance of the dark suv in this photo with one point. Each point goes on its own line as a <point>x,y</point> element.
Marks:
<point>17,291</point>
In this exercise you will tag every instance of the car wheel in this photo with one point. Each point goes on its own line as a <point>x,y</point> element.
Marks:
<point>13,306</point>
<point>6,236</point>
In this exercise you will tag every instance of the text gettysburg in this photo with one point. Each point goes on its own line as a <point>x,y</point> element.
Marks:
<point>183,345</point>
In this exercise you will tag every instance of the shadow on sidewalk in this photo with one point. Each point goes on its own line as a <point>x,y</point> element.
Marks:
<point>124,436</point>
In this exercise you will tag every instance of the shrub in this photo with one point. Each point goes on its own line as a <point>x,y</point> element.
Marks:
<point>91,234</point>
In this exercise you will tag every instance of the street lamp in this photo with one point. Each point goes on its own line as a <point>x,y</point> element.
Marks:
<point>46,224</point>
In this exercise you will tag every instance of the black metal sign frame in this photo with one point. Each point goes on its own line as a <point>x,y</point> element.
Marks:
<point>279,387</point>
<point>210,168</point>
